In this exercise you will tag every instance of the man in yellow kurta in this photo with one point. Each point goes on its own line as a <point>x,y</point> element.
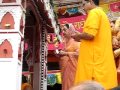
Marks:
<point>96,60</point>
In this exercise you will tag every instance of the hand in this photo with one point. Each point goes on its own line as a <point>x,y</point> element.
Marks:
<point>117,52</point>
<point>76,37</point>
<point>115,41</point>
<point>62,52</point>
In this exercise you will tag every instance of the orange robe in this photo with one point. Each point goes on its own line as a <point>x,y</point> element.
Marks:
<point>25,86</point>
<point>96,60</point>
<point>68,66</point>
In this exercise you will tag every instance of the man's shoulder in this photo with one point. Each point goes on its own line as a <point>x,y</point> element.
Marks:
<point>98,11</point>
<point>94,11</point>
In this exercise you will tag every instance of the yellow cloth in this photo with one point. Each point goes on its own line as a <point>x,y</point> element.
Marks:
<point>96,60</point>
<point>58,76</point>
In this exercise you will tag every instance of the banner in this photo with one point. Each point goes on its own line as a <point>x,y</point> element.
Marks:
<point>53,42</point>
<point>115,7</point>
<point>78,22</point>
<point>111,8</point>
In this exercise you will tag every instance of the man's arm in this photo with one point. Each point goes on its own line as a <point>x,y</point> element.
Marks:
<point>83,35</point>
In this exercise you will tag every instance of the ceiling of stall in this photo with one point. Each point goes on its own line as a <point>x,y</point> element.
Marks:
<point>65,2</point>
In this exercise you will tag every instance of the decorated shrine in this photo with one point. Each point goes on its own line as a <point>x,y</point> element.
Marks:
<point>30,37</point>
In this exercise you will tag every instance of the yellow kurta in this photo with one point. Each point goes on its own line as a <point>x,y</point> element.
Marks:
<point>96,60</point>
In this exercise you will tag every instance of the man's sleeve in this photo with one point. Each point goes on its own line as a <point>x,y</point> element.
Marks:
<point>92,23</point>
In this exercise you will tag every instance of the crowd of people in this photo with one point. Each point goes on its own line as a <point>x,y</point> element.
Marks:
<point>115,25</point>
<point>88,58</point>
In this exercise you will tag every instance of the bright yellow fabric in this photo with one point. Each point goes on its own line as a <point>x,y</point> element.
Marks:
<point>58,76</point>
<point>96,60</point>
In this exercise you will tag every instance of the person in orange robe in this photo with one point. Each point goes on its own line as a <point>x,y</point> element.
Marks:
<point>68,57</point>
<point>25,84</point>
<point>96,60</point>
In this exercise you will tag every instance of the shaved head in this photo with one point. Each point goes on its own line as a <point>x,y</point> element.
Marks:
<point>88,85</point>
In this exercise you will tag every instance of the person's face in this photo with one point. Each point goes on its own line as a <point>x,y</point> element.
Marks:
<point>66,31</point>
<point>112,25</point>
<point>86,5</point>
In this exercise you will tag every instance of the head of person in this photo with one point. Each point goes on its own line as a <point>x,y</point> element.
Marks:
<point>66,30</point>
<point>112,24</point>
<point>24,79</point>
<point>88,85</point>
<point>89,4</point>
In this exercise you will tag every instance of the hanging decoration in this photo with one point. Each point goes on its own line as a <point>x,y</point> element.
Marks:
<point>62,10</point>
<point>51,79</point>
<point>68,10</point>
<point>73,10</point>
<point>51,39</point>
<point>53,42</point>
<point>54,78</point>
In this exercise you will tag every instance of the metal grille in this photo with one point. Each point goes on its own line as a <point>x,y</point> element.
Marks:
<point>43,61</point>
<point>43,52</point>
